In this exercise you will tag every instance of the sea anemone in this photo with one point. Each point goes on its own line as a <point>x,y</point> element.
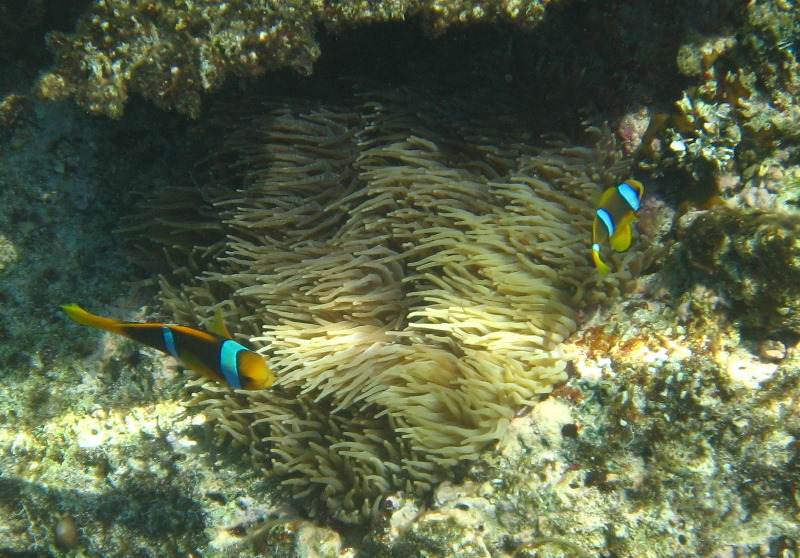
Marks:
<point>410,267</point>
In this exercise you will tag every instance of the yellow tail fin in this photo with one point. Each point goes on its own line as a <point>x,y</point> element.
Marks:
<point>81,316</point>
<point>602,267</point>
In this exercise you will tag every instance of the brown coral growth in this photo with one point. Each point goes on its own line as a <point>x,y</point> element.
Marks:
<point>411,271</point>
<point>173,52</point>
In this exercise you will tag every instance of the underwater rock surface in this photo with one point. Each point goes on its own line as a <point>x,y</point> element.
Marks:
<point>753,257</point>
<point>170,52</point>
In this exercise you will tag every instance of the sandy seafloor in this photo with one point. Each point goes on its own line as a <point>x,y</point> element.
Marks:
<point>676,435</point>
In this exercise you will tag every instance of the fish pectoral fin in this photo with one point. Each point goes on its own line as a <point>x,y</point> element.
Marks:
<point>621,240</point>
<point>192,362</point>
<point>606,197</point>
<point>628,219</point>
<point>601,266</point>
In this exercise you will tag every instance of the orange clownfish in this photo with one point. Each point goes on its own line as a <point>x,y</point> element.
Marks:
<point>613,219</point>
<point>214,355</point>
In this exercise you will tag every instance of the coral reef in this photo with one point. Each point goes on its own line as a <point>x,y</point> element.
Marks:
<point>752,256</point>
<point>730,147</point>
<point>677,432</point>
<point>738,121</point>
<point>170,53</point>
<point>410,271</point>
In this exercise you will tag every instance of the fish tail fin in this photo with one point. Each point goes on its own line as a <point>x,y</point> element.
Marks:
<point>81,316</point>
<point>602,267</point>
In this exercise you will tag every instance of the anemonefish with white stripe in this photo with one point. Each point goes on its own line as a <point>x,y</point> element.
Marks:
<point>214,355</point>
<point>613,219</point>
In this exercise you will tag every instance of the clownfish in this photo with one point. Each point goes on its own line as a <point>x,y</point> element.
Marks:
<point>214,355</point>
<point>613,219</point>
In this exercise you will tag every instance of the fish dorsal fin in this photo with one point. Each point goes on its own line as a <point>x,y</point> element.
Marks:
<point>638,186</point>
<point>218,325</point>
<point>607,195</point>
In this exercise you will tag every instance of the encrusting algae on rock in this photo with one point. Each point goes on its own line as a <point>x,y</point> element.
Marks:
<point>414,272</point>
<point>752,256</point>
